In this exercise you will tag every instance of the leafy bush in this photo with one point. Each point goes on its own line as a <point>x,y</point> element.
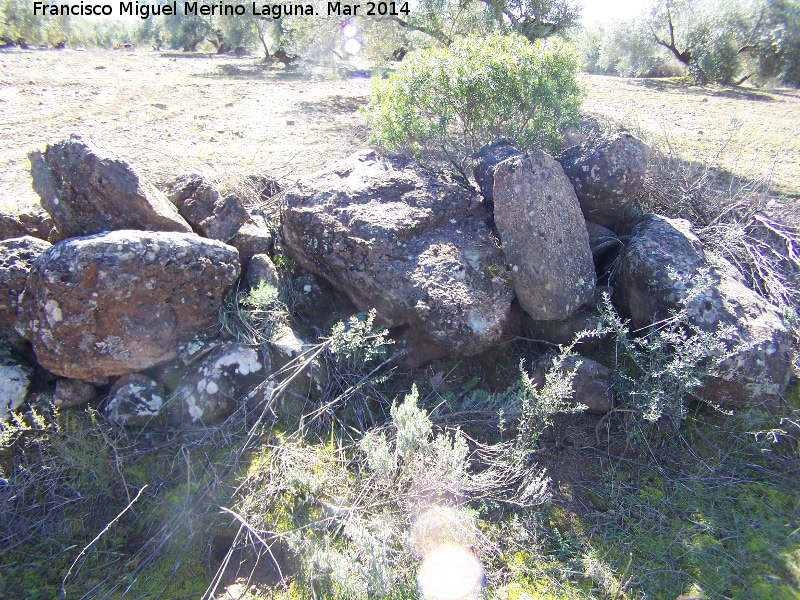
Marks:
<point>656,372</point>
<point>445,103</point>
<point>359,341</point>
<point>716,53</point>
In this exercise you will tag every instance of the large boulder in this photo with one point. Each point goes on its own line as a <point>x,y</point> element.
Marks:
<point>17,256</point>
<point>15,378</point>
<point>211,214</point>
<point>124,301</point>
<point>665,269</point>
<point>543,235</point>
<point>87,191</point>
<point>404,241</point>
<point>606,173</point>
<point>210,390</point>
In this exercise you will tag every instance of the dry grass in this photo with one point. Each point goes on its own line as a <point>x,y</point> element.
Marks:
<point>172,113</point>
<point>761,128</point>
<point>229,117</point>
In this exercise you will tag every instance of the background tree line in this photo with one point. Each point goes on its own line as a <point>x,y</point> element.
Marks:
<point>713,41</point>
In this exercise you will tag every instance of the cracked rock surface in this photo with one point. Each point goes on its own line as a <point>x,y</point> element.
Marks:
<point>404,241</point>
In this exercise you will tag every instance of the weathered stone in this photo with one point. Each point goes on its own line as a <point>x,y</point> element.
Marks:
<point>602,241</point>
<point>17,256</point>
<point>15,378</point>
<point>254,237</point>
<point>484,163</point>
<point>124,301</point>
<point>591,384</point>
<point>585,322</point>
<point>543,236</point>
<point>89,191</point>
<point>71,392</point>
<point>37,222</point>
<point>211,389</point>
<point>262,269</point>
<point>210,214</point>
<point>606,173</point>
<point>402,240</point>
<point>11,226</point>
<point>136,400</point>
<point>665,269</point>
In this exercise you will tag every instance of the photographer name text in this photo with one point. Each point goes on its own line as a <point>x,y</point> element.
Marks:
<point>276,11</point>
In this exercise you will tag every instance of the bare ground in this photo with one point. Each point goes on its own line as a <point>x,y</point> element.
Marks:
<point>226,116</point>
<point>172,113</point>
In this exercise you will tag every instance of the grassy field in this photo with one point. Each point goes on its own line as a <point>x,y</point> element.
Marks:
<point>169,113</point>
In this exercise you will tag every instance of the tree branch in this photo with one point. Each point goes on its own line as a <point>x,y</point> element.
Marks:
<point>438,35</point>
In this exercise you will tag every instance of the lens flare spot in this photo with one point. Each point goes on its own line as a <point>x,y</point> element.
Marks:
<point>450,573</point>
<point>352,46</point>
<point>349,30</point>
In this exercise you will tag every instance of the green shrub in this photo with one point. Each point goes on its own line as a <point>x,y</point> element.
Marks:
<point>445,103</point>
<point>716,54</point>
<point>656,372</point>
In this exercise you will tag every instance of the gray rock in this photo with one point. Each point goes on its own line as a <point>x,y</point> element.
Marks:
<point>564,331</point>
<point>120,302</point>
<point>17,256</point>
<point>136,400</point>
<point>209,213</point>
<point>71,392</point>
<point>591,384</point>
<point>485,161</point>
<point>404,241</point>
<point>606,173</point>
<point>543,236</point>
<point>33,222</point>
<point>210,390</point>
<point>88,191</point>
<point>254,237</point>
<point>262,269</point>
<point>665,268</point>
<point>15,378</point>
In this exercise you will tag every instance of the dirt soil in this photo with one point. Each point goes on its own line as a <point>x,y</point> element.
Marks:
<point>229,116</point>
<point>173,113</point>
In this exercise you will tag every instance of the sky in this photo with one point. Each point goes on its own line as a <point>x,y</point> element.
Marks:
<point>604,11</point>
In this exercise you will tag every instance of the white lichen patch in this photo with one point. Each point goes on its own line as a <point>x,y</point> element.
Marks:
<point>246,360</point>
<point>52,312</point>
<point>14,382</point>
<point>475,321</point>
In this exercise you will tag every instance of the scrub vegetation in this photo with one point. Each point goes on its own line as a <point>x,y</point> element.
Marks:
<point>664,497</point>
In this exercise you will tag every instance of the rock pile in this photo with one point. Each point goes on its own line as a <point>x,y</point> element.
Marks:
<point>125,304</point>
